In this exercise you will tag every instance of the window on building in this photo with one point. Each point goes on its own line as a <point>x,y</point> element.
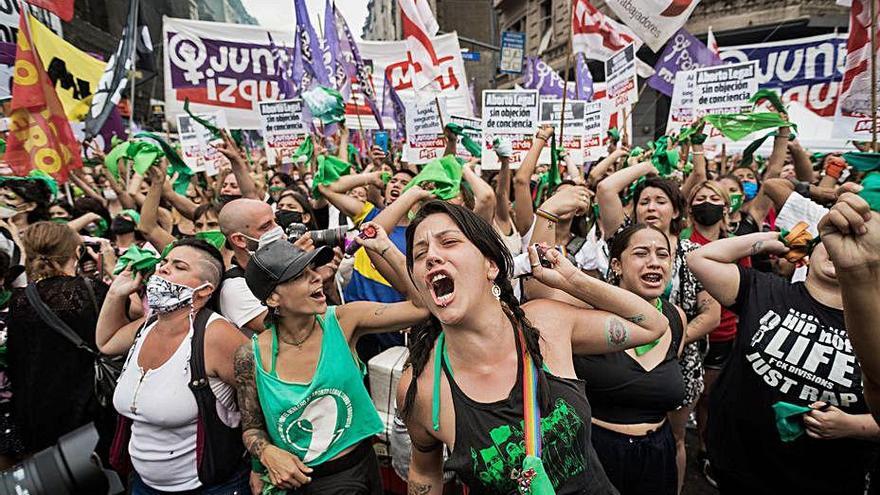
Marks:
<point>518,26</point>
<point>545,13</point>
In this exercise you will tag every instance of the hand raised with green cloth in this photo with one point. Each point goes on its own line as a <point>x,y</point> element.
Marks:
<point>135,259</point>
<point>444,173</point>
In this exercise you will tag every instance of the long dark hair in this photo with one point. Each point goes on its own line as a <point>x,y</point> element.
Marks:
<point>672,191</point>
<point>486,239</point>
<point>32,191</point>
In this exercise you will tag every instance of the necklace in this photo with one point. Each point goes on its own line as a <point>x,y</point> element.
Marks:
<point>299,343</point>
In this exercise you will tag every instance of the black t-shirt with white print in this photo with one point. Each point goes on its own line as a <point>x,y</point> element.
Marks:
<point>790,348</point>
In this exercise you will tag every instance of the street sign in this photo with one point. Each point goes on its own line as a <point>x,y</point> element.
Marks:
<point>469,56</point>
<point>513,46</point>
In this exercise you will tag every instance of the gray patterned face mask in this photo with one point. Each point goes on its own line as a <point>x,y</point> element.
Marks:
<point>164,296</point>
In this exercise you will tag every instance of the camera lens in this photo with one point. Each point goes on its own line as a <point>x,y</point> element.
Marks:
<point>329,237</point>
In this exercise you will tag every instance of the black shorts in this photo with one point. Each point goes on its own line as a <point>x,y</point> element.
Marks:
<point>718,354</point>
<point>638,464</point>
<point>355,473</point>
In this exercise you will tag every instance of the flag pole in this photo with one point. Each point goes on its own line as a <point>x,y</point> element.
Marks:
<point>131,73</point>
<point>564,95</point>
<point>873,75</point>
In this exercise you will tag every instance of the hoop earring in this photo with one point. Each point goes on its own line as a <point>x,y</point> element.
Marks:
<point>496,291</point>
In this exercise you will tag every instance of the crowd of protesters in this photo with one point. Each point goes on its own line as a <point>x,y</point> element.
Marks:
<point>566,324</point>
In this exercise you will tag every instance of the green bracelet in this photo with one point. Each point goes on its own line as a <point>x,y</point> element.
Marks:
<point>257,466</point>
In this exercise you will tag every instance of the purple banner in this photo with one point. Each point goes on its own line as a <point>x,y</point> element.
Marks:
<point>683,52</point>
<point>540,76</point>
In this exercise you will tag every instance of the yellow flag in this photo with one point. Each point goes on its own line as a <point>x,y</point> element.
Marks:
<point>76,73</point>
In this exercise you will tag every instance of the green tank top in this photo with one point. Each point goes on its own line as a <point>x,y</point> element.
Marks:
<point>318,420</point>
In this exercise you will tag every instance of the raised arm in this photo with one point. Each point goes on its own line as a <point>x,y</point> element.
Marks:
<point>389,261</point>
<point>620,320</point>
<point>239,166</point>
<point>484,196</point>
<point>715,264</point>
<point>777,156</point>
<point>389,217</point>
<point>180,203</point>
<point>699,174</point>
<point>803,167</point>
<point>502,192</point>
<point>336,193</point>
<point>600,169</point>
<point>114,333</point>
<point>149,222</point>
<point>125,198</point>
<point>611,212</point>
<point>522,181</point>
<point>365,317</point>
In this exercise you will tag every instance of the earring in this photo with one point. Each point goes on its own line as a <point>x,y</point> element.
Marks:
<point>496,291</point>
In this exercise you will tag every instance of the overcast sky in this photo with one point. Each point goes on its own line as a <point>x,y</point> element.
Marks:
<point>278,14</point>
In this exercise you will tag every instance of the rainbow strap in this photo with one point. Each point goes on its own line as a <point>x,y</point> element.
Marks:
<point>531,410</point>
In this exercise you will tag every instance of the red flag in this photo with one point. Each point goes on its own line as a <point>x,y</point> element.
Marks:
<point>595,34</point>
<point>61,8</point>
<point>418,26</point>
<point>39,134</point>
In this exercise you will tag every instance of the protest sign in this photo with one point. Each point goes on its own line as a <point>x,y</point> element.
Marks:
<point>724,88</point>
<point>621,77</point>
<point>855,116</point>
<point>472,129</point>
<point>508,114</point>
<point>424,130</point>
<point>195,140</point>
<point>594,131</point>
<point>681,110</point>
<point>653,21</point>
<point>683,52</point>
<point>283,128</point>
<point>573,133</point>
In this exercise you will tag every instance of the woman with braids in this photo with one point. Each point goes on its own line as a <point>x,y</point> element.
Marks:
<point>471,397</point>
<point>658,202</point>
<point>307,418</point>
<point>632,391</point>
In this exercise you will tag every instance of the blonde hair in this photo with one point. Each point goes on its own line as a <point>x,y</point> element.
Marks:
<point>48,246</point>
<point>715,188</point>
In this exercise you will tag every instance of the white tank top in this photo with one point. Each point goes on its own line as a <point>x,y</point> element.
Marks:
<point>163,411</point>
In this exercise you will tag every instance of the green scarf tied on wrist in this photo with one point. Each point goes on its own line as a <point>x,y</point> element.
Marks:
<point>176,165</point>
<point>469,144</point>
<point>330,169</point>
<point>789,420</point>
<point>739,125</point>
<point>444,173</point>
<point>549,180</point>
<point>631,190</point>
<point>139,260</point>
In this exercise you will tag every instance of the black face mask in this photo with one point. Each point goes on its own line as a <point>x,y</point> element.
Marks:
<point>707,213</point>
<point>121,225</point>
<point>285,217</point>
<point>225,198</point>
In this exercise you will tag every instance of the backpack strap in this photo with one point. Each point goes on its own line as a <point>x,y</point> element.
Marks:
<point>54,321</point>
<point>234,272</point>
<point>198,375</point>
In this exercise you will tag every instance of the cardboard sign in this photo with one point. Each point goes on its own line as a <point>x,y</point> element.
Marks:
<point>681,110</point>
<point>424,130</point>
<point>621,78</point>
<point>476,135</point>
<point>594,132</point>
<point>512,115</point>
<point>195,146</point>
<point>572,135</point>
<point>724,88</point>
<point>283,128</point>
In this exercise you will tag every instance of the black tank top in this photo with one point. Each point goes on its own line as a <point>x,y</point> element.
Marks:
<point>489,442</point>
<point>620,389</point>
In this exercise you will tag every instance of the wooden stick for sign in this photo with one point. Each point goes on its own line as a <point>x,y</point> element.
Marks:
<point>357,110</point>
<point>624,140</point>
<point>439,113</point>
<point>564,95</point>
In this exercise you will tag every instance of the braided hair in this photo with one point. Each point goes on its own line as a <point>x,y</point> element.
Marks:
<point>424,335</point>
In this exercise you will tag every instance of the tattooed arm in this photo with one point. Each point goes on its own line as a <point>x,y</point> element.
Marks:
<point>715,263</point>
<point>285,469</point>
<point>707,319</point>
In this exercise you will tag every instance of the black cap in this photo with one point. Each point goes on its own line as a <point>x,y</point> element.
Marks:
<point>278,262</point>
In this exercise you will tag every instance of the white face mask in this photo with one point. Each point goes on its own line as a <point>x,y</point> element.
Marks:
<point>270,235</point>
<point>7,212</point>
<point>110,194</point>
<point>164,296</point>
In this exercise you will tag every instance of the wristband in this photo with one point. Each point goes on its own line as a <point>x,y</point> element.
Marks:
<point>802,188</point>
<point>547,215</point>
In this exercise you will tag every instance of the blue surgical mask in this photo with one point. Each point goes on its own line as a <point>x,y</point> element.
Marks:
<point>750,189</point>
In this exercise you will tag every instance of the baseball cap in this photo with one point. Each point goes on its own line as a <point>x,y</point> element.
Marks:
<point>279,261</point>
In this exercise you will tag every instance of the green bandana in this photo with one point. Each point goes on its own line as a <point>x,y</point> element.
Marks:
<point>274,189</point>
<point>644,349</point>
<point>862,161</point>
<point>871,190</point>
<point>771,96</point>
<point>444,173</point>
<point>748,154</point>
<point>141,261</point>
<point>386,177</point>
<point>469,144</point>
<point>739,125</point>
<point>736,202</point>
<point>330,169</point>
<point>325,104</point>
<point>142,153</point>
<point>177,165</point>
<point>212,237</point>
<point>789,420</point>
<point>352,154</point>
<point>636,151</point>
<point>631,190</point>
<point>306,149</point>
<point>549,180</point>
<point>100,227</point>
<point>614,135</point>
<point>664,159</point>
<point>36,175</point>
<point>132,214</point>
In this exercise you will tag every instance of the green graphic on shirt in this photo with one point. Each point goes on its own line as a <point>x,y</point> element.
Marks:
<point>562,451</point>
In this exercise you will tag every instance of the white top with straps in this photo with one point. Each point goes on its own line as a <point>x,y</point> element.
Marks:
<point>164,415</point>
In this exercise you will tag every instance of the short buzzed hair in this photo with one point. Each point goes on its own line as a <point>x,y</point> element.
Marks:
<point>233,216</point>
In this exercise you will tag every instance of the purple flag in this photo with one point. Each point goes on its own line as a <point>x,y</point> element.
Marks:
<point>282,59</point>
<point>393,107</point>
<point>540,76</point>
<point>682,52</point>
<point>584,78</point>
<point>310,47</point>
<point>355,67</point>
<point>332,54</point>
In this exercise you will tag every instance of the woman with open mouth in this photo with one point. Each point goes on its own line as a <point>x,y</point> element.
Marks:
<point>486,360</point>
<point>658,202</point>
<point>307,417</point>
<point>632,391</point>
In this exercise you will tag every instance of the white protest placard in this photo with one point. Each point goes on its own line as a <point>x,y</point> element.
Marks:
<point>472,129</point>
<point>508,114</point>
<point>283,128</point>
<point>621,78</point>
<point>724,88</point>
<point>681,110</point>
<point>594,131</point>
<point>572,135</point>
<point>424,130</point>
<point>195,140</point>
